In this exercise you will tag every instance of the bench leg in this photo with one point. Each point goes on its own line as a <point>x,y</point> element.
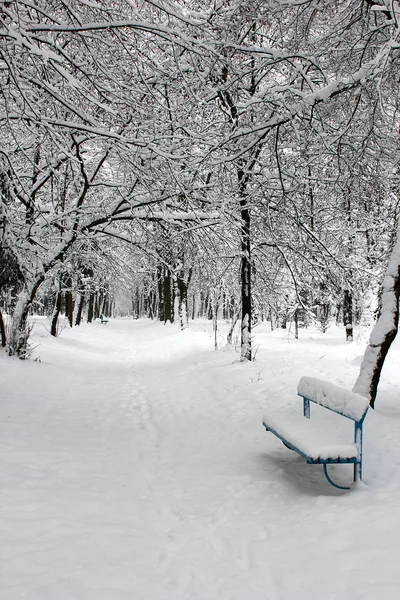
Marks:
<point>340,487</point>
<point>357,472</point>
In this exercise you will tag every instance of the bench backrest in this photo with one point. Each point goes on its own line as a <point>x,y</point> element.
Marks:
<point>346,403</point>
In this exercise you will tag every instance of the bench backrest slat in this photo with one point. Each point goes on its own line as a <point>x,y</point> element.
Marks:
<point>346,403</point>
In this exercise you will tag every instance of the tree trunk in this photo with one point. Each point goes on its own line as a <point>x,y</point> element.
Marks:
<point>245,273</point>
<point>194,308</point>
<point>150,306</point>
<point>160,290</point>
<point>97,304</point>
<point>69,302</point>
<point>81,303</point>
<point>167,296</point>
<point>231,329</point>
<point>104,307</point>
<point>2,331</point>
<point>271,317</point>
<point>182,285</point>
<point>56,312</point>
<point>90,308</point>
<point>384,331</point>
<point>19,335</point>
<point>348,314</point>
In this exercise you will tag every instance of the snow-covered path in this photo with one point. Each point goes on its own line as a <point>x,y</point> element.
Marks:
<point>134,466</point>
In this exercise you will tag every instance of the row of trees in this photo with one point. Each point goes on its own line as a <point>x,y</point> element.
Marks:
<point>243,148</point>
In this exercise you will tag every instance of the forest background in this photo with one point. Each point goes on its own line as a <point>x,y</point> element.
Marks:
<point>200,158</point>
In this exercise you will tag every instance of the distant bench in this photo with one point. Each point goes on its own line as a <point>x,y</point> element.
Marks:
<point>312,439</point>
<point>103,320</point>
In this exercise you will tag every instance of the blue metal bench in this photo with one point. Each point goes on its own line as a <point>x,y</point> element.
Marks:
<point>309,438</point>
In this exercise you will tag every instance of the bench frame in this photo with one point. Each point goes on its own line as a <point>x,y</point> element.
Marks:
<point>358,440</point>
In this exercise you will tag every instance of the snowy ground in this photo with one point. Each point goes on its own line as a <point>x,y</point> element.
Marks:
<point>134,466</point>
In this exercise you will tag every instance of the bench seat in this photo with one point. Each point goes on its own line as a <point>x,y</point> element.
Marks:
<point>306,437</point>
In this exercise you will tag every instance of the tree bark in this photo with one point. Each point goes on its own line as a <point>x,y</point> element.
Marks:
<point>348,314</point>
<point>81,303</point>
<point>90,308</point>
<point>167,296</point>
<point>384,331</point>
<point>160,290</point>
<point>98,300</point>
<point>245,271</point>
<point>229,337</point>
<point>2,331</point>
<point>69,302</point>
<point>183,285</point>
<point>56,312</point>
<point>18,338</point>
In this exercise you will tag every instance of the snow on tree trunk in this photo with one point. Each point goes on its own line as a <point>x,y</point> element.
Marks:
<point>182,294</point>
<point>246,339</point>
<point>19,333</point>
<point>384,331</point>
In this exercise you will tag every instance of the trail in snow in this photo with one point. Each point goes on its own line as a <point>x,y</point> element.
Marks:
<point>134,465</point>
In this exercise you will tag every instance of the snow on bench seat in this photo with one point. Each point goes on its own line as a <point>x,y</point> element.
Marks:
<point>340,400</point>
<point>307,436</point>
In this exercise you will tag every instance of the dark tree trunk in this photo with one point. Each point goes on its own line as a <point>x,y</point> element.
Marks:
<point>2,331</point>
<point>81,304</point>
<point>150,306</point>
<point>232,308</point>
<point>160,290</point>
<point>245,274</point>
<point>97,304</point>
<point>193,306</point>
<point>296,323</point>
<point>104,305</point>
<point>90,308</point>
<point>56,312</point>
<point>225,306</point>
<point>338,314</point>
<point>209,307</point>
<point>348,314</point>
<point>69,302</point>
<point>168,316</point>
<point>203,304</point>
<point>138,304</point>
<point>144,304</point>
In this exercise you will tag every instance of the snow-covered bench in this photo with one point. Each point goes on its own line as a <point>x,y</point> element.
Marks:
<point>103,321</point>
<point>314,438</point>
